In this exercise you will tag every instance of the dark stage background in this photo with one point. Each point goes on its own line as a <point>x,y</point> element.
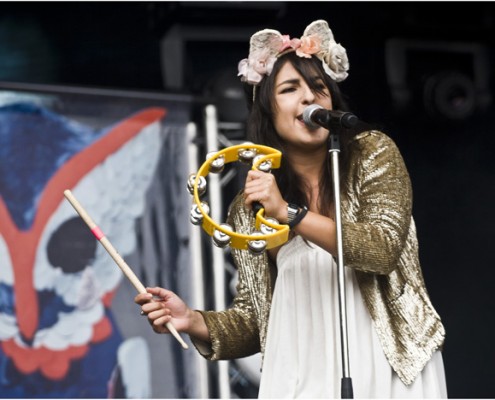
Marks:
<point>422,71</point>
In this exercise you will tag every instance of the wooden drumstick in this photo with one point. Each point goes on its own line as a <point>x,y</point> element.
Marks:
<point>116,256</point>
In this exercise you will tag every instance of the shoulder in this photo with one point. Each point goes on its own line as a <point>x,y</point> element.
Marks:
<point>375,151</point>
<point>374,139</point>
<point>374,144</point>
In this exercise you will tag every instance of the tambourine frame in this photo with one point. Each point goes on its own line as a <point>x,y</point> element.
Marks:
<point>238,240</point>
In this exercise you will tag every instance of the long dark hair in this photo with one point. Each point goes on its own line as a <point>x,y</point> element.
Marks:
<point>261,130</point>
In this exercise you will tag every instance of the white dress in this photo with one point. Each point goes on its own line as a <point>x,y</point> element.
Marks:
<point>303,355</point>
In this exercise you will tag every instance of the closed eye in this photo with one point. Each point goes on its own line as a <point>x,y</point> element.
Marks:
<point>320,88</point>
<point>288,90</point>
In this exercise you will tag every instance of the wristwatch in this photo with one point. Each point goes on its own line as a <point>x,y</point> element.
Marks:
<point>292,211</point>
<point>295,214</point>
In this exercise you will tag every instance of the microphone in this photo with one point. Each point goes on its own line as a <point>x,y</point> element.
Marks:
<point>315,116</point>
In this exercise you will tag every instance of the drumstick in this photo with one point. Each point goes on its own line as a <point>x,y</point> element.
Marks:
<point>116,256</point>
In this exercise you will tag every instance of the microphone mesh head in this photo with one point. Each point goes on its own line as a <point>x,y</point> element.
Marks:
<point>307,113</point>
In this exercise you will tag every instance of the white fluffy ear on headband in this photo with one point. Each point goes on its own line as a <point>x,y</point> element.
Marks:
<point>268,39</point>
<point>321,29</point>
<point>263,49</point>
<point>333,55</point>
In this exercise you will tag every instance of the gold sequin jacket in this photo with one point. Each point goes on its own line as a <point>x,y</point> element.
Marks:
<point>380,244</point>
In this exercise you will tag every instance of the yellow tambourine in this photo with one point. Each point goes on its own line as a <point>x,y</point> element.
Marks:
<point>269,233</point>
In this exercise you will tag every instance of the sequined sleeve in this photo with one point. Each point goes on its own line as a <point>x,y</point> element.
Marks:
<point>235,333</point>
<point>377,210</point>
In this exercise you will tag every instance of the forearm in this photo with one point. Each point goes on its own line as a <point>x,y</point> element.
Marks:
<point>319,230</point>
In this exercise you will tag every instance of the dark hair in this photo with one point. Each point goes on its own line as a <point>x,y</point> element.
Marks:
<point>261,130</point>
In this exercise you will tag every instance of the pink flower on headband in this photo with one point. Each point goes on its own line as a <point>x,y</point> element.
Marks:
<point>308,45</point>
<point>258,64</point>
<point>288,42</point>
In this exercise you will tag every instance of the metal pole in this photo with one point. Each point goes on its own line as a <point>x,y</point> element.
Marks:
<point>197,264</point>
<point>346,384</point>
<point>215,196</point>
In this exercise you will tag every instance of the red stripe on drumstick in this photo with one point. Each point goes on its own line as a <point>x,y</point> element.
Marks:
<point>98,233</point>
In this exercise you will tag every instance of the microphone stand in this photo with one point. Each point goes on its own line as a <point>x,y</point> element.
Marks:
<point>346,382</point>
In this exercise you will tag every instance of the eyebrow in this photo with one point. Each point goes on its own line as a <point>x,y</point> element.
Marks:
<point>298,80</point>
<point>289,81</point>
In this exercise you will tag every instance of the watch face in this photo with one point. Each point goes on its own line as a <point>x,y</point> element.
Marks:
<point>292,211</point>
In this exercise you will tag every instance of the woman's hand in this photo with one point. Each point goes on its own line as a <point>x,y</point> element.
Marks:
<point>162,306</point>
<point>262,187</point>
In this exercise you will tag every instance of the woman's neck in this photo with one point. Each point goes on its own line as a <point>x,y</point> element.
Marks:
<point>309,167</point>
<point>308,164</point>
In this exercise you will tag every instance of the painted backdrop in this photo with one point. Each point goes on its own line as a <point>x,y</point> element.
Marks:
<point>68,324</point>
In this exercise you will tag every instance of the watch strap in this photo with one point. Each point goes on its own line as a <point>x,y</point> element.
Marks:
<point>300,215</point>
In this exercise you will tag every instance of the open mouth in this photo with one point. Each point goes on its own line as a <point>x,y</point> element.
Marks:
<point>300,118</point>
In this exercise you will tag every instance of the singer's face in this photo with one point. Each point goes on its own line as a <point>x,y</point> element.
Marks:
<point>292,96</point>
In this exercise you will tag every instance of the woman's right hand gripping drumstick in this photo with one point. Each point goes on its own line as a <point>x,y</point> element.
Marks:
<point>162,306</point>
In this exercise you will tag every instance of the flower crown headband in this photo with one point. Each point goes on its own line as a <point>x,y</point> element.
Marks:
<point>266,45</point>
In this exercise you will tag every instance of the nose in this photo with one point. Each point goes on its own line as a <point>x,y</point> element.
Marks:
<point>308,96</point>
